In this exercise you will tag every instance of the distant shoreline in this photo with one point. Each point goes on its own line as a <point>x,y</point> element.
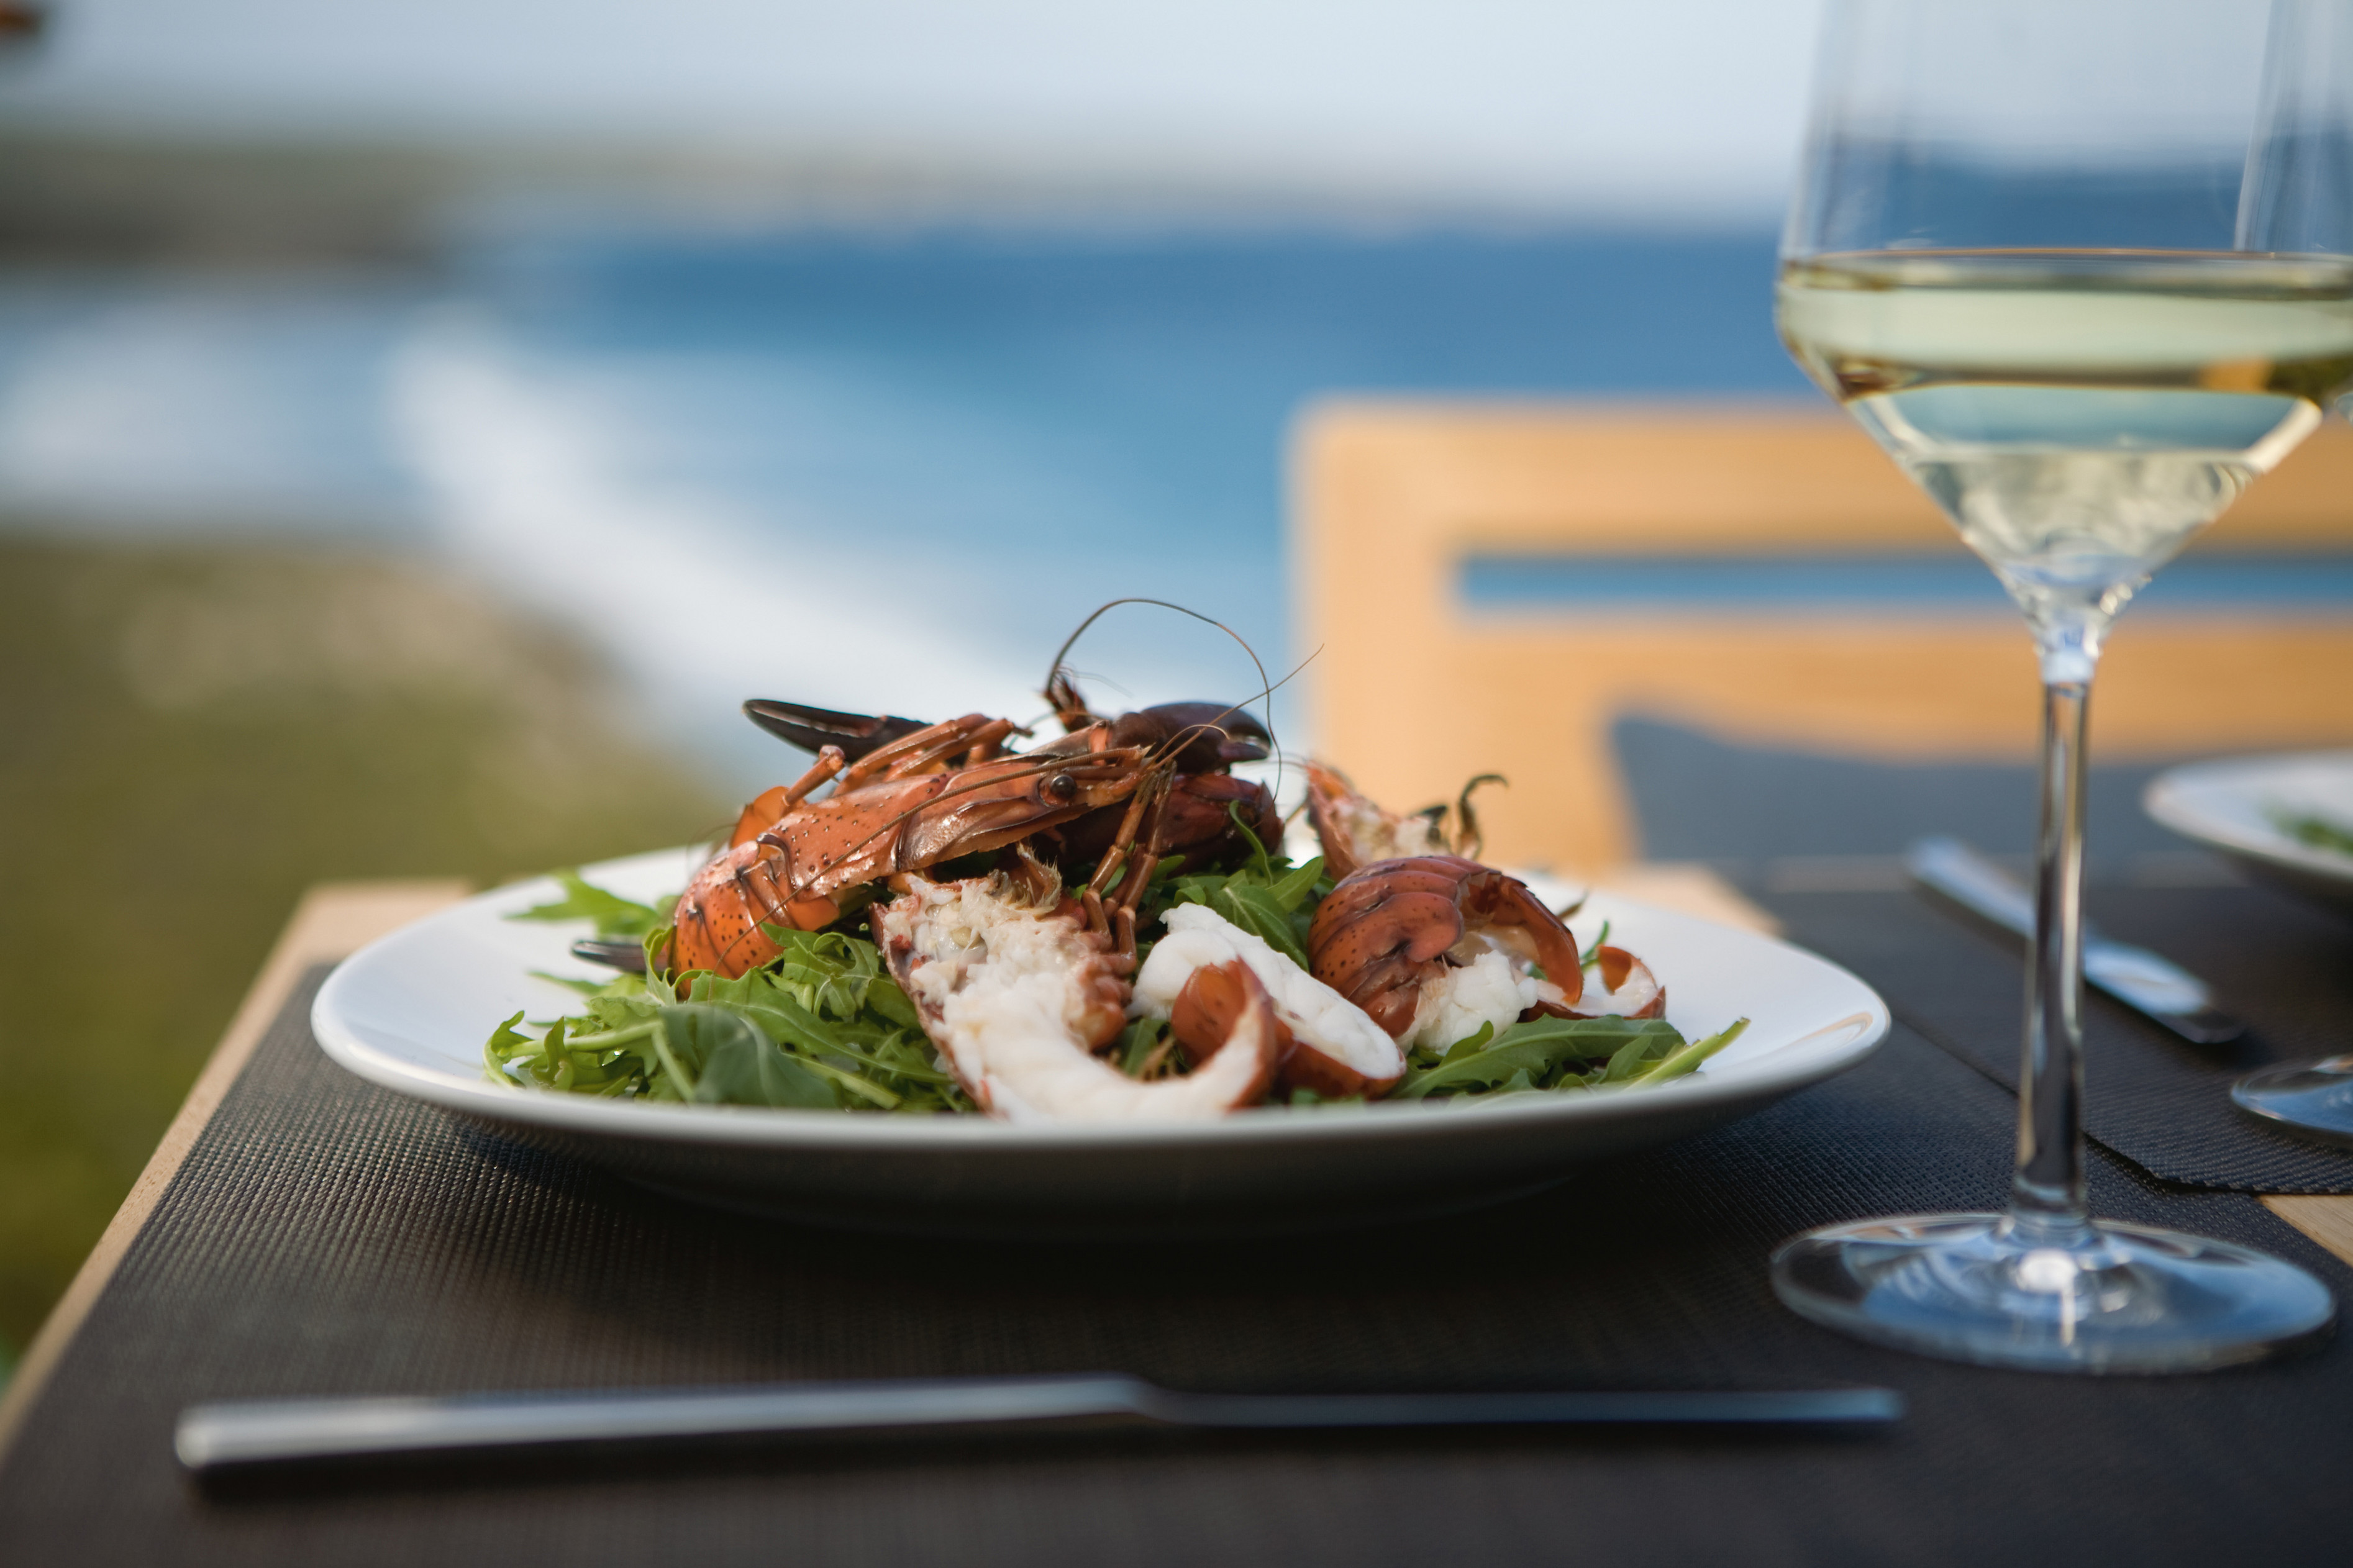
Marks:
<point>118,199</point>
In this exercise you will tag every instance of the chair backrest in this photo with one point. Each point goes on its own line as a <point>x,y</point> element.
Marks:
<point>1490,584</point>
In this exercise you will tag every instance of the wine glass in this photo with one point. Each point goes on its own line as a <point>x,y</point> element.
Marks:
<point>2311,185</point>
<point>2081,268</point>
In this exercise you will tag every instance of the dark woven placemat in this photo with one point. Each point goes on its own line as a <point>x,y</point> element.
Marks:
<point>2149,1095</point>
<point>1698,796</point>
<point>327,1236</point>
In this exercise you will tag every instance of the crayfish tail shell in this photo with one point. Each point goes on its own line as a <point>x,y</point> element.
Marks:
<point>1329,802</point>
<point>1384,931</point>
<point>1432,946</point>
<point>1224,1004</point>
<point>1356,833</point>
<point>1631,990</point>
<point>1495,901</point>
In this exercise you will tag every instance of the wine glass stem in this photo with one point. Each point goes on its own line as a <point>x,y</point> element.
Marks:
<point>2047,1193</point>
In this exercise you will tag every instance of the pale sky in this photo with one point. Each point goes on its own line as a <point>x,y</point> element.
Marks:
<point>1661,106</point>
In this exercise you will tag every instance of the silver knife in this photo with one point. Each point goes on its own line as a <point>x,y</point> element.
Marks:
<point>2139,978</point>
<point>217,1439</point>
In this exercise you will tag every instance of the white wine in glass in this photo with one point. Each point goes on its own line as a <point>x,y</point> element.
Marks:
<point>2079,267</point>
<point>2078,414</point>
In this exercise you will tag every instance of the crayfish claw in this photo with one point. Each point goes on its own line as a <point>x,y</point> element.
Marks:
<point>813,729</point>
<point>1213,736</point>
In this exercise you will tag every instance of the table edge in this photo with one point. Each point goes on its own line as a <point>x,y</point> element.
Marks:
<point>332,921</point>
<point>2326,1217</point>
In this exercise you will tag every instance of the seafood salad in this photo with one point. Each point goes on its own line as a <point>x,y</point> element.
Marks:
<point>1098,928</point>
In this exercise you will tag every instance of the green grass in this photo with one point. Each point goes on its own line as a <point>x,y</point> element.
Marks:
<point>189,736</point>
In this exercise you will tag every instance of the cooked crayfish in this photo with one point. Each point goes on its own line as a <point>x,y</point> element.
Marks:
<point>1217,735</point>
<point>798,863</point>
<point>1434,945</point>
<point>1208,739</point>
<point>1356,833</point>
<point>1206,798</point>
<point>908,795</point>
<point>1431,943</point>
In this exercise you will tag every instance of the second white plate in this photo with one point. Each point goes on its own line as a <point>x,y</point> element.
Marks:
<point>2230,805</point>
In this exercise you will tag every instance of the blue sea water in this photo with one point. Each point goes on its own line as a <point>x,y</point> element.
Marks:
<point>812,460</point>
<point>1108,411</point>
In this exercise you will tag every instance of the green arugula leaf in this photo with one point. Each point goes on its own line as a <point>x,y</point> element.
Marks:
<point>623,1010</point>
<point>1308,1099</point>
<point>612,914</point>
<point>828,973</point>
<point>732,1063</point>
<point>1254,908</point>
<point>1543,1049</point>
<point>1589,1039</point>
<point>1267,896</point>
<point>1677,1063</point>
<point>506,1044</point>
<point>834,1049</point>
<point>1137,1042</point>
<point>656,943</point>
<point>2313,829</point>
<point>1640,1053</point>
<point>1292,888</point>
<point>1470,1044</point>
<point>883,996</point>
<point>1260,865</point>
<point>586,987</point>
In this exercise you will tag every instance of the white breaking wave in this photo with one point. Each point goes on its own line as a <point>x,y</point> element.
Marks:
<point>189,405</point>
<point>703,602</point>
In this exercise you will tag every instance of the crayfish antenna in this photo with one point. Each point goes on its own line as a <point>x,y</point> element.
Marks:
<point>1062,690</point>
<point>1069,703</point>
<point>1469,840</point>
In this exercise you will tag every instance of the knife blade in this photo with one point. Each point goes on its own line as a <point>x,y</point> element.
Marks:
<point>2144,981</point>
<point>234,1437</point>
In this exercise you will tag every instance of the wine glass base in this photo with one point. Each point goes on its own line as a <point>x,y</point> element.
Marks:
<point>2313,1098</point>
<point>2105,1298</point>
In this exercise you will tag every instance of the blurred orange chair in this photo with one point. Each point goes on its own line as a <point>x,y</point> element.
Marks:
<point>1417,687</point>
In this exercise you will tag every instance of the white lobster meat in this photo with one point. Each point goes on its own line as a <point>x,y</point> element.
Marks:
<point>1329,1044</point>
<point>1019,997</point>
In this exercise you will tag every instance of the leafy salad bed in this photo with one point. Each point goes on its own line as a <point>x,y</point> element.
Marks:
<point>824,1027</point>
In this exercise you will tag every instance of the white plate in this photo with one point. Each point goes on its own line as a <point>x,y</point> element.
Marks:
<point>2227,805</point>
<point>411,1011</point>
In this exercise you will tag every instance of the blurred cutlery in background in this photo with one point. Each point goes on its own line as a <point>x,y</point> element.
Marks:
<point>2139,978</point>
